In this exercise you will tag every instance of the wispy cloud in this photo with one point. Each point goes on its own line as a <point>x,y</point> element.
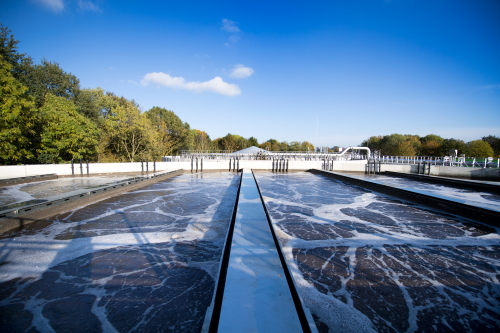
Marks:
<point>489,87</point>
<point>216,85</point>
<point>230,26</point>
<point>53,5</point>
<point>234,39</point>
<point>88,6</point>
<point>241,72</point>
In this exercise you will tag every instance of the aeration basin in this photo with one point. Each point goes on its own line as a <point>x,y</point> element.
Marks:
<point>150,260</point>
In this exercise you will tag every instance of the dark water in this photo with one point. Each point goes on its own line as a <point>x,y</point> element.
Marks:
<point>366,262</point>
<point>140,261</point>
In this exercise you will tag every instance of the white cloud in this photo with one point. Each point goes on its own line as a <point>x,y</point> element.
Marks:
<point>88,5</point>
<point>241,72</point>
<point>54,5</point>
<point>216,85</point>
<point>229,26</point>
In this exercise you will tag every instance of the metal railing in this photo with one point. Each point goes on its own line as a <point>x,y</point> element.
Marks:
<point>459,161</point>
<point>294,156</point>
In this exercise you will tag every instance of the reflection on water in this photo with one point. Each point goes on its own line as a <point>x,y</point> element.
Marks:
<point>365,262</point>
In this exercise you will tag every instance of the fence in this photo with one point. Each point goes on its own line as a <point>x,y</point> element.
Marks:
<point>461,161</point>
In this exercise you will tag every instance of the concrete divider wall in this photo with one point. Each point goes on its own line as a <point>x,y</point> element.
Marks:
<point>464,172</point>
<point>16,171</point>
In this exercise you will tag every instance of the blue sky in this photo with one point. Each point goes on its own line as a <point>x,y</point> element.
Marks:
<point>330,72</point>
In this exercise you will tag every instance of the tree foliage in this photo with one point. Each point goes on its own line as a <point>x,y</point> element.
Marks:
<point>67,135</point>
<point>129,135</point>
<point>494,143</point>
<point>480,148</point>
<point>18,117</point>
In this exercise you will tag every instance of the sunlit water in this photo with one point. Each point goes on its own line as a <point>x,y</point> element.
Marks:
<point>139,261</point>
<point>365,262</point>
<point>46,188</point>
<point>470,197</point>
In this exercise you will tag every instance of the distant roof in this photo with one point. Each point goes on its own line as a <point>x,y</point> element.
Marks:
<point>250,150</point>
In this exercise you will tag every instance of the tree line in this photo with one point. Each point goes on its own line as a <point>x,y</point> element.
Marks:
<point>432,145</point>
<point>47,117</point>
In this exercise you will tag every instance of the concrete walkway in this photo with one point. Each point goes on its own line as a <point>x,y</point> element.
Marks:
<point>256,295</point>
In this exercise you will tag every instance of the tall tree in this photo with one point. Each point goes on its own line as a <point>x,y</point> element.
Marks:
<point>271,145</point>
<point>494,143</point>
<point>480,148</point>
<point>66,134</point>
<point>18,117</point>
<point>405,148</point>
<point>129,134</point>
<point>253,142</point>
<point>175,135</point>
<point>201,140</point>
<point>49,78</point>
<point>20,62</point>
<point>453,144</point>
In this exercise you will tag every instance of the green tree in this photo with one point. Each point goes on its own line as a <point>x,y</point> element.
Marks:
<point>494,143</point>
<point>66,134</point>
<point>201,140</point>
<point>49,78</point>
<point>480,148</point>
<point>175,135</point>
<point>253,142</point>
<point>20,62</point>
<point>405,148</point>
<point>271,145</point>
<point>229,142</point>
<point>295,146</point>
<point>453,144</point>
<point>432,137</point>
<point>431,148</point>
<point>389,143</point>
<point>130,135</point>
<point>91,103</point>
<point>307,146</point>
<point>373,142</point>
<point>17,118</point>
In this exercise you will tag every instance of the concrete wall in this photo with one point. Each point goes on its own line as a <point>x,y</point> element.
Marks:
<point>16,171</point>
<point>463,172</point>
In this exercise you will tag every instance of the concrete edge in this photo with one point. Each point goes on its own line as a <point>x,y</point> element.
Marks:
<point>19,217</point>
<point>457,183</point>
<point>28,179</point>
<point>211,321</point>
<point>304,314</point>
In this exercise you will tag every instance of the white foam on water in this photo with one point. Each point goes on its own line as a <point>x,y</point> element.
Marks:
<point>331,310</point>
<point>31,255</point>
